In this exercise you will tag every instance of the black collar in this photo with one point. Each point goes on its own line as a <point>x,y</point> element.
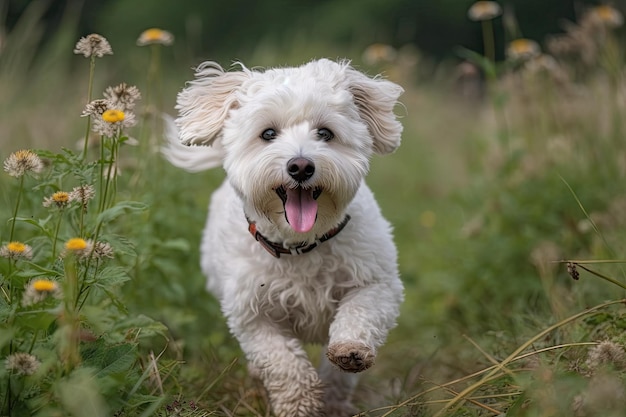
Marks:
<point>276,249</point>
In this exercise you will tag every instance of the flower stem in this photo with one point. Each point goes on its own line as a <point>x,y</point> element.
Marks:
<point>17,205</point>
<point>92,66</point>
<point>56,237</point>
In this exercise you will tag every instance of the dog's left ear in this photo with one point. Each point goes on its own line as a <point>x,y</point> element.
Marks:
<point>376,99</point>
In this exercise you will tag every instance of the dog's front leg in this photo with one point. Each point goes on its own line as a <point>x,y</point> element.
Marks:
<point>293,385</point>
<point>361,324</point>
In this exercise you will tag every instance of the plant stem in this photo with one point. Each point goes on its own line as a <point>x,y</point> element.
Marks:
<point>17,205</point>
<point>488,41</point>
<point>92,66</point>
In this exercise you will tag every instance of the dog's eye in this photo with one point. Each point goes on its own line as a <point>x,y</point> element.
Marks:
<point>325,134</point>
<point>269,134</point>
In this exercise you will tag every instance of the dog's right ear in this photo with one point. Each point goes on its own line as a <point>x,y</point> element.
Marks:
<point>204,104</point>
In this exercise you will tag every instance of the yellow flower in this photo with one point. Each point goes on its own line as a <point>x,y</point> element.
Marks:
<point>76,244</point>
<point>59,199</point>
<point>155,35</point>
<point>44,285</point>
<point>38,290</point>
<point>378,53</point>
<point>523,49</point>
<point>16,250</point>
<point>608,15</point>
<point>113,116</point>
<point>17,247</point>
<point>484,10</point>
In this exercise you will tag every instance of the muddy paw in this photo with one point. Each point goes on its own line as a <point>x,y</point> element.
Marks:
<point>351,356</point>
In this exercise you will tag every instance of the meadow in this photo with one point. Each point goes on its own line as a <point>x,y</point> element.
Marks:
<point>507,198</point>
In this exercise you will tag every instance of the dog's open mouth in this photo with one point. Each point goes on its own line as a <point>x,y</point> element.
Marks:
<point>300,206</point>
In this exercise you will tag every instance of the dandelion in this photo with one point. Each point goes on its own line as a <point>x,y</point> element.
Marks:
<point>38,290</point>
<point>155,36</point>
<point>93,45</point>
<point>22,363</point>
<point>83,194</point>
<point>523,49</point>
<point>484,10</point>
<point>607,15</point>
<point>16,250</point>
<point>21,162</point>
<point>122,96</point>
<point>60,199</point>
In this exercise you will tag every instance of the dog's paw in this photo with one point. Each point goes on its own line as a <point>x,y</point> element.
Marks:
<point>351,356</point>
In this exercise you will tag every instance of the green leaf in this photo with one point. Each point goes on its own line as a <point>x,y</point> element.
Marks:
<point>35,319</point>
<point>80,394</point>
<point>111,276</point>
<point>110,360</point>
<point>119,209</point>
<point>38,223</point>
<point>147,326</point>
<point>6,335</point>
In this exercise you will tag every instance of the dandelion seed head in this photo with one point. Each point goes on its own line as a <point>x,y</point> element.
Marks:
<point>93,45</point>
<point>16,250</point>
<point>155,36</point>
<point>102,250</point>
<point>122,96</point>
<point>21,162</point>
<point>96,108</point>
<point>484,10</point>
<point>83,194</point>
<point>606,353</point>
<point>22,363</point>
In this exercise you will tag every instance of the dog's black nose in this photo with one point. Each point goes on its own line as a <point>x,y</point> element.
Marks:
<point>300,169</point>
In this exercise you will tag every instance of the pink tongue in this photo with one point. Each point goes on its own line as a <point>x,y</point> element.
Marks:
<point>301,209</point>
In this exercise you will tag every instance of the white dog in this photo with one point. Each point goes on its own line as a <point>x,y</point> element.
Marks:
<point>295,247</point>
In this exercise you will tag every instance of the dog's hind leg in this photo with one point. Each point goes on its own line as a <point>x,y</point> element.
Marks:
<point>338,389</point>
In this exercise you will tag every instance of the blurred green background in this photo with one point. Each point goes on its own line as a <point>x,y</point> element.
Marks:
<point>228,30</point>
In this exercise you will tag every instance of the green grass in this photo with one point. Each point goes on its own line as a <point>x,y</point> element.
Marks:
<point>483,213</point>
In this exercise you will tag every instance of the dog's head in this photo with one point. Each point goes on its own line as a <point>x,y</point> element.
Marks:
<point>295,142</point>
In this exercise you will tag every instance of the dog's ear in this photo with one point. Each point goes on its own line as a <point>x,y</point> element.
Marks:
<point>376,99</point>
<point>204,104</point>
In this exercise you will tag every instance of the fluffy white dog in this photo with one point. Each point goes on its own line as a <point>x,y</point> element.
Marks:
<point>295,247</point>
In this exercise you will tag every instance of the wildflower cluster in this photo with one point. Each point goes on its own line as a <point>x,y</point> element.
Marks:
<point>60,268</point>
<point>115,111</point>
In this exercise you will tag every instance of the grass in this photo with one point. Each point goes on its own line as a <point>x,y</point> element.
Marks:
<point>497,203</point>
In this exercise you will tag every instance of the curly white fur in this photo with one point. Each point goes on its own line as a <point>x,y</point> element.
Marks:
<point>346,292</point>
